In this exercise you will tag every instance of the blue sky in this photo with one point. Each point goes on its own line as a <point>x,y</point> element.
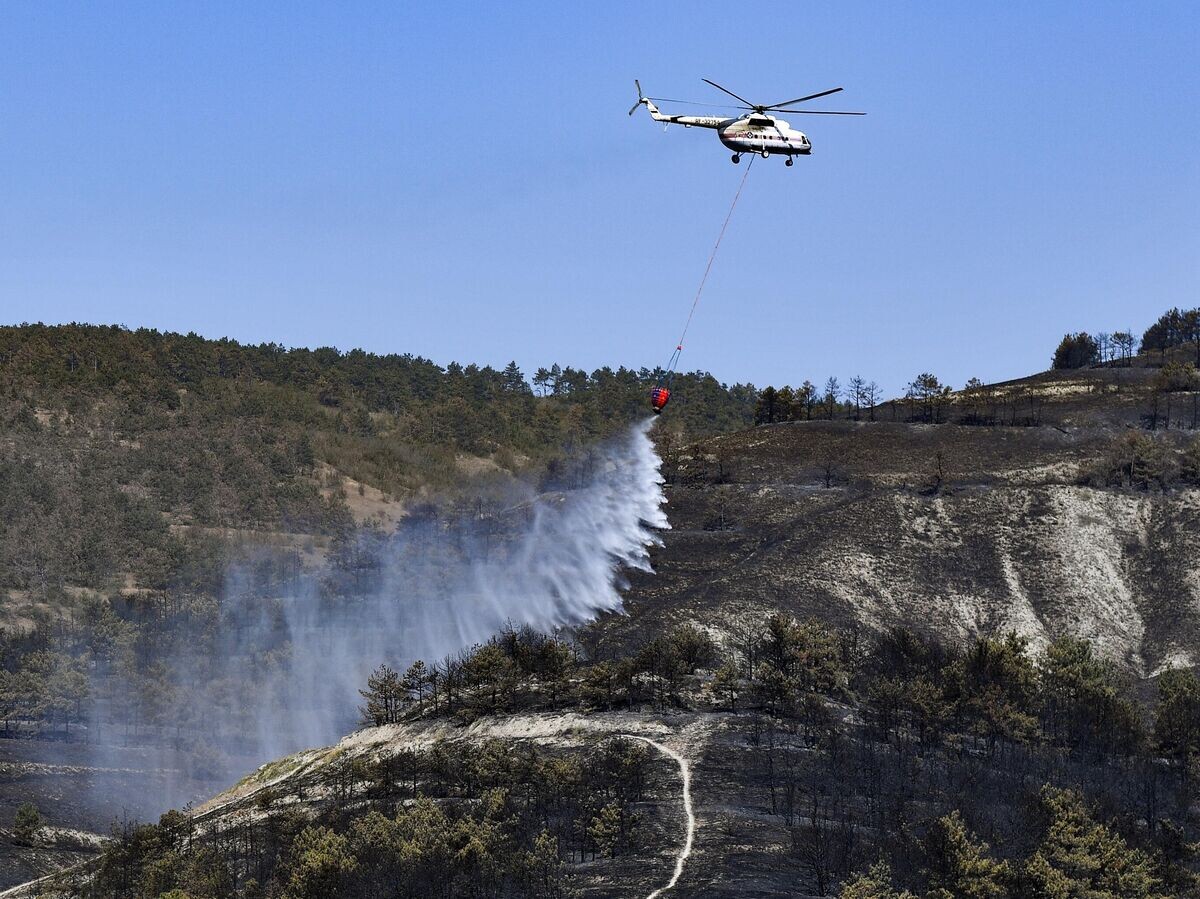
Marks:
<point>460,181</point>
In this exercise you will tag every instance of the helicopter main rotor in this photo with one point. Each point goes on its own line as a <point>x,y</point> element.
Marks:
<point>778,107</point>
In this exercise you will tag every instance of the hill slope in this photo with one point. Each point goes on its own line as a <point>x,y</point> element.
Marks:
<point>1056,514</point>
<point>842,521</point>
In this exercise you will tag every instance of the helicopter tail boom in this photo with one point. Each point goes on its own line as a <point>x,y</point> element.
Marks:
<point>689,120</point>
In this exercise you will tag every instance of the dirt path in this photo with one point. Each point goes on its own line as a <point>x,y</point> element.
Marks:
<point>27,889</point>
<point>685,773</point>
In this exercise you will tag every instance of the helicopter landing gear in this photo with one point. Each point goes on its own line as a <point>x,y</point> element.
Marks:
<point>788,161</point>
<point>766,153</point>
<point>736,158</point>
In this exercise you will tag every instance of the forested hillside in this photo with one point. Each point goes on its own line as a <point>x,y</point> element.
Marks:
<point>826,763</point>
<point>160,494</point>
<point>116,442</point>
<point>867,613</point>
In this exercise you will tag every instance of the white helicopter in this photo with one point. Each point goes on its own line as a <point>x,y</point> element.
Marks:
<point>758,132</point>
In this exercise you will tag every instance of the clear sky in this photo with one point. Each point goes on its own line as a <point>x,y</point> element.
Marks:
<point>460,181</point>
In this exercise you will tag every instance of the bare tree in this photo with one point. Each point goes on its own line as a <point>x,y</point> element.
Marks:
<point>858,389</point>
<point>833,391</point>
<point>831,470</point>
<point>806,396</point>
<point>1126,346</point>
<point>871,397</point>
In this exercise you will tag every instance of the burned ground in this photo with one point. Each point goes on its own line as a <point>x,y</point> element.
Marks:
<point>950,529</point>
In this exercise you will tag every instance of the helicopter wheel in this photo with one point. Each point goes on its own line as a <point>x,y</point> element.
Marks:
<point>788,161</point>
<point>765,154</point>
<point>736,157</point>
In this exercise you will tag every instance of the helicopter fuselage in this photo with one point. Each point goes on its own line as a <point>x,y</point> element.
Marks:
<point>763,134</point>
<point>753,133</point>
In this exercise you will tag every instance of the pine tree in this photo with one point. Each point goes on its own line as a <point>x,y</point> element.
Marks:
<point>385,695</point>
<point>1080,857</point>
<point>27,822</point>
<point>414,682</point>
<point>1177,723</point>
<point>833,392</point>
<point>322,863</point>
<point>857,396</point>
<point>605,829</point>
<point>545,866</point>
<point>806,396</point>
<point>513,380</point>
<point>725,684</point>
<point>1076,351</point>
<point>959,868</point>
<point>875,884</point>
<point>765,410</point>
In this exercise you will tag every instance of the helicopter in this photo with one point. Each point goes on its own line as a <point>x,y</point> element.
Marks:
<point>759,131</point>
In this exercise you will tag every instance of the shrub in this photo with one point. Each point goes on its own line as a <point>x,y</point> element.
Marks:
<point>1134,460</point>
<point>27,822</point>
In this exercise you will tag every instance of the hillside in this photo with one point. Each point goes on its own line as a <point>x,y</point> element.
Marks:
<point>954,529</point>
<point>910,541</point>
<point>122,451</point>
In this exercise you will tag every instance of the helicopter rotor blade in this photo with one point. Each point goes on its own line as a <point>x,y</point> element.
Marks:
<point>731,93</point>
<point>638,85</point>
<point>804,99</point>
<point>695,103</point>
<point>815,112</point>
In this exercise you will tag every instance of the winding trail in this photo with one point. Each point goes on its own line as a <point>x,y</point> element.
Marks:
<point>685,772</point>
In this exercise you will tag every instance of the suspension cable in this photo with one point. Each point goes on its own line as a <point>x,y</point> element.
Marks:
<point>669,372</point>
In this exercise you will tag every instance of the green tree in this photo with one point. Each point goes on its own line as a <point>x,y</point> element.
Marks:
<point>415,679</point>
<point>1133,460</point>
<point>874,884</point>
<point>1174,328</point>
<point>1177,376</point>
<point>694,647</point>
<point>425,835</point>
<point>958,867</point>
<point>1079,857</point>
<point>1189,464</point>
<point>1084,703</point>
<point>386,696</point>
<point>321,863</point>
<point>785,404</point>
<point>994,686</point>
<point>766,409</point>
<point>544,866</point>
<point>1177,721</point>
<point>605,828</point>
<point>805,399</point>
<point>378,849</point>
<point>491,672</point>
<point>726,684</point>
<point>1077,351</point>
<point>927,396</point>
<point>513,380</point>
<point>27,823</point>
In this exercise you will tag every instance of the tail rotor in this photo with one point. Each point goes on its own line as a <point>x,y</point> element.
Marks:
<point>641,99</point>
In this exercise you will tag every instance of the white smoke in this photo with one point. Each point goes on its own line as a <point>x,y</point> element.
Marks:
<point>558,562</point>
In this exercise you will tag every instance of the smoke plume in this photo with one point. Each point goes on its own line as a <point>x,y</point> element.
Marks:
<point>268,673</point>
<point>553,560</point>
